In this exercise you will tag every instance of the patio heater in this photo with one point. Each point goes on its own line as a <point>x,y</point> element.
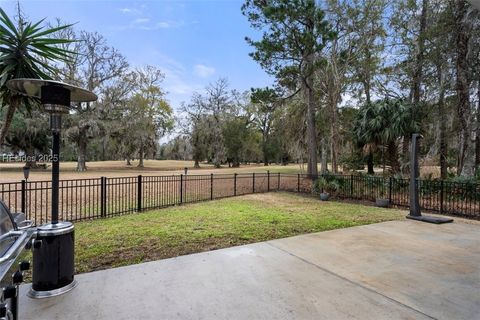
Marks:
<point>415,210</point>
<point>53,260</point>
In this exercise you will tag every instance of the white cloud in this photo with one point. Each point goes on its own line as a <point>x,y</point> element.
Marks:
<point>148,25</point>
<point>145,20</point>
<point>203,71</point>
<point>130,11</point>
<point>140,20</point>
<point>163,24</point>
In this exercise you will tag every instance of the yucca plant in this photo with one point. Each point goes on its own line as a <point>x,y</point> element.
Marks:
<point>27,50</point>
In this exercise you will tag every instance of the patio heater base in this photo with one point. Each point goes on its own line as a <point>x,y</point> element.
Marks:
<point>430,219</point>
<point>51,293</point>
<point>53,260</point>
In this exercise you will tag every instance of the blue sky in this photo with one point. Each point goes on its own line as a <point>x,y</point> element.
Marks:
<point>193,42</point>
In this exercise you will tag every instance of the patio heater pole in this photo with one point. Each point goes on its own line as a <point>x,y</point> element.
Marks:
<point>55,125</point>
<point>53,261</point>
<point>415,210</point>
<point>414,175</point>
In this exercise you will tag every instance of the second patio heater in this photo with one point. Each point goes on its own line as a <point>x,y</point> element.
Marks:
<point>53,259</point>
<point>415,209</point>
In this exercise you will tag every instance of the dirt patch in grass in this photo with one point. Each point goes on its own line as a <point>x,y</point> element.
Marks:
<point>212,225</point>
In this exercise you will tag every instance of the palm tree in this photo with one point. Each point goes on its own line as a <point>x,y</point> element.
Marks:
<point>381,124</point>
<point>26,51</point>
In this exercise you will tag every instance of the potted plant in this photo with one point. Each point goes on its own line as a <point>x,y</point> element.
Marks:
<point>326,187</point>
<point>382,200</point>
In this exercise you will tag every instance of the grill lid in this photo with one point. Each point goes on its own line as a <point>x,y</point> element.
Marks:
<point>15,232</point>
<point>6,226</point>
<point>6,220</point>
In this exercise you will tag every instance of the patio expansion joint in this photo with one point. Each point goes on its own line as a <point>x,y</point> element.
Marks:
<point>350,281</point>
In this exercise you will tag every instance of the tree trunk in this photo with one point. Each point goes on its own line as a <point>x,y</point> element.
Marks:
<point>442,125</point>
<point>415,92</point>
<point>367,81</point>
<point>82,151</point>
<point>466,154</point>
<point>406,153</point>
<point>128,161</point>
<point>219,145</point>
<point>370,163</point>
<point>469,162</point>
<point>235,163</point>
<point>393,157</point>
<point>477,132</point>
<point>31,158</point>
<point>197,164</point>
<point>141,155</point>
<point>104,149</point>
<point>324,160</point>
<point>367,87</point>
<point>333,97</point>
<point>311,129</point>
<point>308,87</point>
<point>334,134</point>
<point>13,104</point>
<point>264,148</point>
<point>418,71</point>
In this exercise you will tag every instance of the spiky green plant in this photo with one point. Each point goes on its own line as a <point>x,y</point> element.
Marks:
<point>27,50</point>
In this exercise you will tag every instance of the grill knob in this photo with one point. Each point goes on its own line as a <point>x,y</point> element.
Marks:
<point>24,265</point>
<point>3,310</point>
<point>17,277</point>
<point>9,292</point>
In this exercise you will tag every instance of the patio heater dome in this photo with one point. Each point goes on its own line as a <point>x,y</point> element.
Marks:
<point>55,96</point>
<point>53,260</point>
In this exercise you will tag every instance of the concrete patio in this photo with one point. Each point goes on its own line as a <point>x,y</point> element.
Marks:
<point>391,270</point>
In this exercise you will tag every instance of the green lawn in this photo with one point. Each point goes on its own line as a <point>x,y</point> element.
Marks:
<point>174,231</point>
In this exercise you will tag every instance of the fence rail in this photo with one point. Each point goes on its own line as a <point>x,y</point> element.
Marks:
<point>82,199</point>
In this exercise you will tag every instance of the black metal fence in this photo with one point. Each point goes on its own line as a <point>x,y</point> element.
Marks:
<point>82,199</point>
<point>442,197</point>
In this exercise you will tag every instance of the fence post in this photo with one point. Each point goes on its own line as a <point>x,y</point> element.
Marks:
<point>390,185</point>
<point>441,197</point>
<point>253,182</point>
<point>211,186</point>
<point>351,186</point>
<point>268,180</point>
<point>298,182</point>
<point>181,188</point>
<point>139,193</point>
<point>278,182</point>
<point>234,184</point>
<point>24,196</point>
<point>103,193</point>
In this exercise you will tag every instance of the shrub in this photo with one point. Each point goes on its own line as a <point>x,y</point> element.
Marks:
<point>329,183</point>
<point>352,162</point>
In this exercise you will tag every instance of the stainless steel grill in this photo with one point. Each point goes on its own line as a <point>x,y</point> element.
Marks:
<point>16,234</point>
